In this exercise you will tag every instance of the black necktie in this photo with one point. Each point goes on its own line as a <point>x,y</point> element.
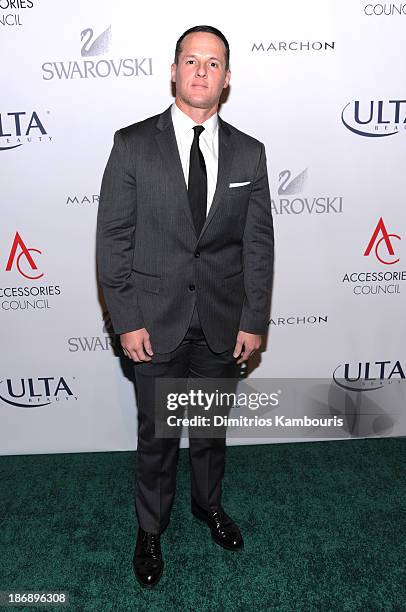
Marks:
<point>197,185</point>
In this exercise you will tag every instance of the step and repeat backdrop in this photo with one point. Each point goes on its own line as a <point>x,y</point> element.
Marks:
<point>322,84</point>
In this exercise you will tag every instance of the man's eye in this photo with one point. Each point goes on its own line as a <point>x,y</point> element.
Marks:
<point>189,61</point>
<point>214,64</point>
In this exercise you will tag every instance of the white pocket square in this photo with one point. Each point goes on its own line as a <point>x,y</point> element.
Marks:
<point>239,184</point>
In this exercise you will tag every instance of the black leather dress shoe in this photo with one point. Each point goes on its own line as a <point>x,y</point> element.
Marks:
<point>223,529</point>
<point>148,563</point>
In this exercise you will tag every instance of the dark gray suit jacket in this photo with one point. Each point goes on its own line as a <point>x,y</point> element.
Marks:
<point>152,266</point>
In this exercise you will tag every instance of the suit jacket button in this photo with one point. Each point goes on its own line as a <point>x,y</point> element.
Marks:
<point>192,287</point>
<point>197,254</point>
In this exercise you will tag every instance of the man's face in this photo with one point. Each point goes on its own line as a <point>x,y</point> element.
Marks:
<point>200,74</point>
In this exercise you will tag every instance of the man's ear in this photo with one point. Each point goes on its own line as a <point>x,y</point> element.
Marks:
<point>173,72</point>
<point>227,79</point>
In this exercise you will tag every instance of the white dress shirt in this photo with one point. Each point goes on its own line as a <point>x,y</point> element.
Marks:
<point>208,142</point>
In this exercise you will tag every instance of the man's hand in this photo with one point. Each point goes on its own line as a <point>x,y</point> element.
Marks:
<point>135,343</point>
<point>246,345</point>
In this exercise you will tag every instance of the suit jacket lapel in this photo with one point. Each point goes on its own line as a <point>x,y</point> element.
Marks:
<point>168,147</point>
<point>226,154</point>
<point>167,144</point>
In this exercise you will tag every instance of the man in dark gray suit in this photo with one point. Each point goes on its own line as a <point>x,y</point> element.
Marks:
<point>185,260</point>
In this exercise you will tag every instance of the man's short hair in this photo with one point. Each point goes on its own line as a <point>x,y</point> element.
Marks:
<point>203,28</point>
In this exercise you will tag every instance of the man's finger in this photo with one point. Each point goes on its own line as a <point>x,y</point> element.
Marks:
<point>244,356</point>
<point>249,349</point>
<point>141,355</point>
<point>148,347</point>
<point>237,348</point>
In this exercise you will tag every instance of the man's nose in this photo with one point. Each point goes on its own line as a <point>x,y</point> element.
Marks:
<point>201,70</point>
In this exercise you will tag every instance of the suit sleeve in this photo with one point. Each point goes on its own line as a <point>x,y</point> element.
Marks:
<point>258,254</point>
<point>115,234</point>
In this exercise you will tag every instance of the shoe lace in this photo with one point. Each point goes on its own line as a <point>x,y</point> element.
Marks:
<point>152,544</point>
<point>218,517</point>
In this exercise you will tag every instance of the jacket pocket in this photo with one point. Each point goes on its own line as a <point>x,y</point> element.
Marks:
<point>239,189</point>
<point>234,279</point>
<point>147,282</point>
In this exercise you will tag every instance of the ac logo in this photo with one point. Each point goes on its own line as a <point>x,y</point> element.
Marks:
<point>28,261</point>
<point>386,239</point>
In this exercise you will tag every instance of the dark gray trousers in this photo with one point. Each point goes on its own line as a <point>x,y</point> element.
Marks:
<point>157,457</point>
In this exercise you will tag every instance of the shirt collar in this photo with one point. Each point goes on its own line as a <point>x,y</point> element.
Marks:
<point>183,123</point>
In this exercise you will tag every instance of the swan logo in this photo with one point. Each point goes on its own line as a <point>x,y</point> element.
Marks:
<point>93,47</point>
<point>107,323</point>
<point>289,185</point>
<point>21,127</point>
<point>375,119</point>
<point>24,261</point>
<point>293,184</point>
<point>35,392</point>
<point>368,376</point>
<point>99,46</point>
<point>385,256</point>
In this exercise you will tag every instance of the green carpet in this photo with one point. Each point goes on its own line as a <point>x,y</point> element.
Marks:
<point>323,523</point>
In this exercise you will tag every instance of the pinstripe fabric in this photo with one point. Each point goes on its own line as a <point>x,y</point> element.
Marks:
<point>146,241</point>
